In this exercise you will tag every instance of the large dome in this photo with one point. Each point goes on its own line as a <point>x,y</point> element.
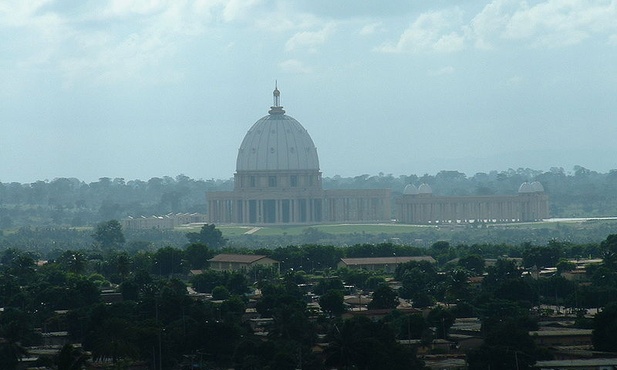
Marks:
<point>277,142</point>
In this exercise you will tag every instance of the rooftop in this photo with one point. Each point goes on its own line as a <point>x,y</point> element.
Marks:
<point>385,260</point>
<point>238,258</point>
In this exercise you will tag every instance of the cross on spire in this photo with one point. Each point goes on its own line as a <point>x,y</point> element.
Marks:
<point>276,108</point>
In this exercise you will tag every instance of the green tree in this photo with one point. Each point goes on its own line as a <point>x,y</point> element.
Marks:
<point>17,332</point>
<point>496,312</point>
<point>407,326</point>
<point>122,262</point>
<point>208,235</point>
<point>359,343</point>
<point>506,346</point>
<point>609,251</point>
<point>129,290</point>
<point>604,329</point>
<point>12,293</point>
<point>442,320</point>
<point>284,302</point>
<point>442,251</point>
<point>197,255</point>
<point>503,270</point>
<point>520,290</point>
<point>206,281</point>
<point>332,301</point>
<point>473,263</point>
<point>220,293</point>
<point>564,266</point>
<point>22,266</point>
<point>109,234</point>
<point>232,309</point>
<point>383,297</point>
<point>168,260</point>
<point>73,261</point>
<point>10,355</point>
<point>324,285</point>
<point>80,292</point>
<point>419,282</point>
<point>440,247</point>
<point>236,282</point>
<point>457,284</point>
<point>71,358</point>
<point>541,256</point>
<point>113,339</point>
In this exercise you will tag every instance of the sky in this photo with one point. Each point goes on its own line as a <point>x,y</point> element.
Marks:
<point>142,89</point>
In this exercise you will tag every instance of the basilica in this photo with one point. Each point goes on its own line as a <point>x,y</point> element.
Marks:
<point>278,181</point>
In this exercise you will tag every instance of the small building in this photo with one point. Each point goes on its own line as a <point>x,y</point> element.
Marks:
<point>579,273</point>
<point>387,264</point>
<point>445,362</point>
<point>55,338</point>
<point>165,222</point>
<point>240,262</point>
<point>490,262</point>
<point>562,337</point>
<point>379,313</point>
<point>579,364</point>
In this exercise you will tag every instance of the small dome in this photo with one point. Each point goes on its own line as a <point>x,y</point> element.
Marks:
<point>425,189</point>
<point>537,187</point>
<point>525,188</point>
<point>410,190</point>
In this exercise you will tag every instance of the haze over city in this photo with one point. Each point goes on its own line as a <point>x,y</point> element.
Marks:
<point>90,89</point>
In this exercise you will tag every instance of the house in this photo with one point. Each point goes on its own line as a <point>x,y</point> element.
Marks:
<point>387,264</point>
<point>380,313</point>
<point>562,337</point>
<point>240,262</point>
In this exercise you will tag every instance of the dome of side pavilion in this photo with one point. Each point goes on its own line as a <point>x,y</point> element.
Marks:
<point>277,142</point>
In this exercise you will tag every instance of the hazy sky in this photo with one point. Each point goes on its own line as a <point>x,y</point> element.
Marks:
<point>138,89</point>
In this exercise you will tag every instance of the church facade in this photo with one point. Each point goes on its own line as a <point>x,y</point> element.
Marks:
<point>278,181</point>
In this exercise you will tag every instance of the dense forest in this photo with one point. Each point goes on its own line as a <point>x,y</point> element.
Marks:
<point>71,202</point>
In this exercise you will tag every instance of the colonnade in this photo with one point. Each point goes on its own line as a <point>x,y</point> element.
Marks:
<point>435,209</point>
<point>265,211</point>
<point>327,206</point>
<point>355,209</point>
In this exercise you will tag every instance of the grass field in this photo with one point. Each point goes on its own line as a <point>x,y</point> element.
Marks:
<point>330,229</point>
<point>335,229</point>
<point>342,229</point>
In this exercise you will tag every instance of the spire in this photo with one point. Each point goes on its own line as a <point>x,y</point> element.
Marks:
<point>277,95</point>
<point>276,108</point>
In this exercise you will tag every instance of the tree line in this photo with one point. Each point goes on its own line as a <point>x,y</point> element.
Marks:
<point>71,202</point>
